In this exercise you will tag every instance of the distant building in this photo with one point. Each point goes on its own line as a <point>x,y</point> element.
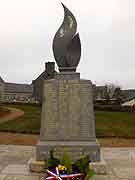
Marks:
<point>1,89</point>
<point>49,73</point>
<point>15,92</point>
<point>10,92</point>
<point>129,94</point>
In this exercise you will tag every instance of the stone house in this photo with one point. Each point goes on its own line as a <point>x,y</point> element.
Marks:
<point>48,73</point>
<point>26,92</point>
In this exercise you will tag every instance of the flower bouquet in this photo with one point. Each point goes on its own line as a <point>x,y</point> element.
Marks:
<point>64,169</point>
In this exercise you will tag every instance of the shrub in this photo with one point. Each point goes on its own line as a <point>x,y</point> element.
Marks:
<point>82,164</point>
<point>89,174</point>
<point>66,161</point>
<point>116,108</point>
<point>52,162</point>
<point>23,103</point>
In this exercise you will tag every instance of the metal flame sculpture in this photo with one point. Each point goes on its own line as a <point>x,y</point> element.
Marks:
<point>66,43</point>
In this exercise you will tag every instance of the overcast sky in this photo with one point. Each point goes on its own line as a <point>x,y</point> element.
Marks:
<point>107,33</point>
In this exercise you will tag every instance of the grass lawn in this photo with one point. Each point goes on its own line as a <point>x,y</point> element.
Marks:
<point>29,123</point>
<point>108,124</point>
<point>115,124</point>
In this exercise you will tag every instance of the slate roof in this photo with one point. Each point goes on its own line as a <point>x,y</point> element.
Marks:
<point>18,88</point>
<point>44,75</point>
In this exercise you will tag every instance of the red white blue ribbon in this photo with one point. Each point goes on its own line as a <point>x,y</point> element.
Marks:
<point>59,176</point>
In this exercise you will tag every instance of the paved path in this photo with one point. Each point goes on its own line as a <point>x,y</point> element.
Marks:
<point>120,164</point>
<point>14,114</point>
<point>14,159</point>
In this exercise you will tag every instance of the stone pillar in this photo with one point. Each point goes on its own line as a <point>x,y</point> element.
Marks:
<point>67,120</point>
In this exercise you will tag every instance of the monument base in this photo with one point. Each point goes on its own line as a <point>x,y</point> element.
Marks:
<point>36,166</point>
<point>67,119</point>
<point>76,149</point>
<point>100,167</point>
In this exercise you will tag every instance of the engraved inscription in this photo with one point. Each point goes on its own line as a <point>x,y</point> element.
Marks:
<point>67,111</point>
<point>74,110</point>
<point>85,110</point>
<point>50,110</point>
<point>63,108</point>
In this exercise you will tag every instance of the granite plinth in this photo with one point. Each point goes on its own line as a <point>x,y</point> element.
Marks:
<point>67,119</point>
<point>67,76</point>
<point>36,166</point>
<point>76,149</point>
<point>99,167</point>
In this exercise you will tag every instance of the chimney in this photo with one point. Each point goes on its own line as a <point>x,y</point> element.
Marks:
<point>50,68</point>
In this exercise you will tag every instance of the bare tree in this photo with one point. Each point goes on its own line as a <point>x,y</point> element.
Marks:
<point>113,92</point>
<point>118,95</point>
<point>108,92</point>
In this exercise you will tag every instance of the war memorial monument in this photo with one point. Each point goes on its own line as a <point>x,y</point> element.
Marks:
<point>67,119</point>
